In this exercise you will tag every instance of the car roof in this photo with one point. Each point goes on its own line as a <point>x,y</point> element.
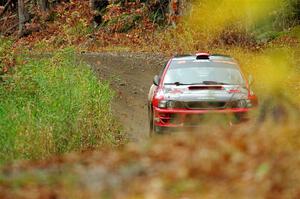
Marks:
<point>218,57</point>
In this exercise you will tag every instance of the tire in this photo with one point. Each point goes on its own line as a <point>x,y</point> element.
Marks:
<point>157,130</point>
<point>151,123</point>
<point>153,129</point>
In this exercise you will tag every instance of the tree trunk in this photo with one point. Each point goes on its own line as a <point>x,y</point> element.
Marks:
<point>21,13</point>
<point>92,5</point>
<point>43,5</point>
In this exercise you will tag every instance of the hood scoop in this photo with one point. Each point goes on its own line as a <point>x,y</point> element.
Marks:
<point>206,87</point>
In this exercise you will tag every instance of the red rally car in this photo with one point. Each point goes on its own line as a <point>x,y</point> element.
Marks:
<point>191,86</point>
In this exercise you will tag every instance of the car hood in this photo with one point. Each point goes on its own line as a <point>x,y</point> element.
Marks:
<point>204,92</point>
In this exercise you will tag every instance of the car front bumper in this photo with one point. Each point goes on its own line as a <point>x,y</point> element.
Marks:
<point>188,117</point>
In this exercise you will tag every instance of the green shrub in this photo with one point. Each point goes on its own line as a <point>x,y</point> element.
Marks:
<point>76,30</point>
<point>6,56</point>
<point>123,23</point>
<point>54,105</point>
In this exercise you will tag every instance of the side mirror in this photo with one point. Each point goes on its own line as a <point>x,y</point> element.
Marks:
<point>250,80</point>
<point>156,80</point>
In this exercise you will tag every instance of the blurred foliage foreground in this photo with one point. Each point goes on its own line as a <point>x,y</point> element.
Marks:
<point>250,160</point>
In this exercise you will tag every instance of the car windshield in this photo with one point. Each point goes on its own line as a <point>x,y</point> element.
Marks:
<point>203,72</point>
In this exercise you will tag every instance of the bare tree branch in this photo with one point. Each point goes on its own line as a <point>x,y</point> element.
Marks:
<point>8,17</point>
<point>9,29</point>
<point>5,7</point>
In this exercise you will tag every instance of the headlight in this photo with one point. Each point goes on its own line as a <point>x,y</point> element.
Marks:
<point>249,104</point>
<point>171,104</point>
<point>162,104</point>
<point>166,104</point>
<point>244,103</point>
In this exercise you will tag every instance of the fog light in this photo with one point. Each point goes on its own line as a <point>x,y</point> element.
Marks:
<point>156,119</point>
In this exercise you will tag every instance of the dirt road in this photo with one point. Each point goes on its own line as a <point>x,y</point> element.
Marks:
<point>130,75</point>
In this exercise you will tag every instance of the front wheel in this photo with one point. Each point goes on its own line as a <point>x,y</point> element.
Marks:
<point>153,129</point>
<point>151,122</point>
